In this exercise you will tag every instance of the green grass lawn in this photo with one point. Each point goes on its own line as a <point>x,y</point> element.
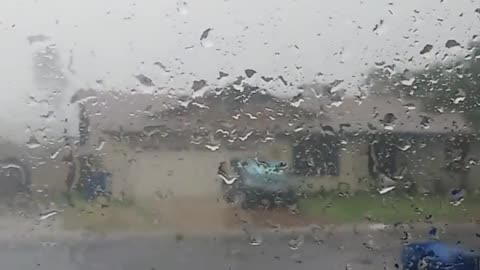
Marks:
<point>389,208</point>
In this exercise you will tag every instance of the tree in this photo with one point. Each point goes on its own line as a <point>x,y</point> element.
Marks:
<point>442,87</point>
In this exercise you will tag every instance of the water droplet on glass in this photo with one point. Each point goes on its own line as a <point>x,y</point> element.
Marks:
<point>425,122</point>
<point>162,66</point>
<point>222,75</point>
<point>317,234</point>
<point>451,43</point>
<point>408,82</point>
<point>433,233</point>
<point>205,33</point>
<point>212,147</point>
<point>144,80</point>
<point>56,153</point>
<point>33,143</point>
<point>386,190</point>
<point>245,137</point>
<point>457,100</point>
<point>197,85</point>
<point>100,146</point>
<point>203,38</point>
<point>297,102</point>
<point>336,103</point>
<point>255,240</point>
<point>49,214</point>
<point>410,106</point>
<point>182,7</point>
<point>388,127</point>
<point>297,258</point>
<point>370,244</point>
<point>250,72</point>
<point>457,196</point>
<point>426,49</point>
<point>295,243</point>
<point>404,147</point>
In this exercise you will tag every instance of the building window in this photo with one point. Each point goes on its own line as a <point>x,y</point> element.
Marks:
<point>316,155</point>
<point>456,151</point>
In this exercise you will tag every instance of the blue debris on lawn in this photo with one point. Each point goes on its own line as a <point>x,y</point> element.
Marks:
<point>96,185</point>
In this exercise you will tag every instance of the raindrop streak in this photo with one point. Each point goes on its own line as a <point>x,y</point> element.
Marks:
<point>100,146</point>
<point>49,214</point>
<point>386,190</point>
<point>205,33</point>
<point>255,240</point>
<point>458,100</point>
<point>410,107</point>
<point>457,196</point>
<point>426,49</point>
<point>203,38</point>
<point>162,66</point>
<point>144,80</point>
<point>296,243</point>
<point>404,147</point>
<point>212,147</point>
<point>55,155</point>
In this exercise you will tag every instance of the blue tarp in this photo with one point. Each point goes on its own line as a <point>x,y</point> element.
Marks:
<point>436,255</point>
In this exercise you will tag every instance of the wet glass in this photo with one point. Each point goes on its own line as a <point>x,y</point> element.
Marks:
<point>223,134</point>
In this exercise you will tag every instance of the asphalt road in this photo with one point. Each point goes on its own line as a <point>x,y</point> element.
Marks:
<point>321,250</point>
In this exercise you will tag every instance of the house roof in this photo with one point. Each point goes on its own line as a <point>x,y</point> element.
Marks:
<point>220,110</point>
<point>252,109</point>
<point>377,113</point>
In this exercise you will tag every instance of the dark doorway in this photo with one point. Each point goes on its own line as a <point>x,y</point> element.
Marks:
<point>382,155</point>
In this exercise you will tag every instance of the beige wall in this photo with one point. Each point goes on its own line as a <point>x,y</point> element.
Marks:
<point>49,176</point>
<point>153,174</point>
<point>425,162</point>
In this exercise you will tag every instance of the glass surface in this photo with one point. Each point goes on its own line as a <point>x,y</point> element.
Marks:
<point>228,134</point>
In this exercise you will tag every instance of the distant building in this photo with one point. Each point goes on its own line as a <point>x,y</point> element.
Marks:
<point>157,146</point>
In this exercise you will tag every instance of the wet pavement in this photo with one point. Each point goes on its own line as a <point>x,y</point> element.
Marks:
<point>322,249</point>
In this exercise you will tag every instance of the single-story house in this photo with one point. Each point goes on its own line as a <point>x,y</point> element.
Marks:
<point>158,147</point>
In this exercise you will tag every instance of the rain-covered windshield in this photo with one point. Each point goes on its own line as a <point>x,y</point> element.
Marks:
<point>227,134</point>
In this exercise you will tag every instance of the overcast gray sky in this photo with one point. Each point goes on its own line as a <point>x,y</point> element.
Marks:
<point>112,40</point>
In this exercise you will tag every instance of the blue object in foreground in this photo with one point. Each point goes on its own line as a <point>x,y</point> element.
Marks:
<point>430,255</point>
<point>96,184</point>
